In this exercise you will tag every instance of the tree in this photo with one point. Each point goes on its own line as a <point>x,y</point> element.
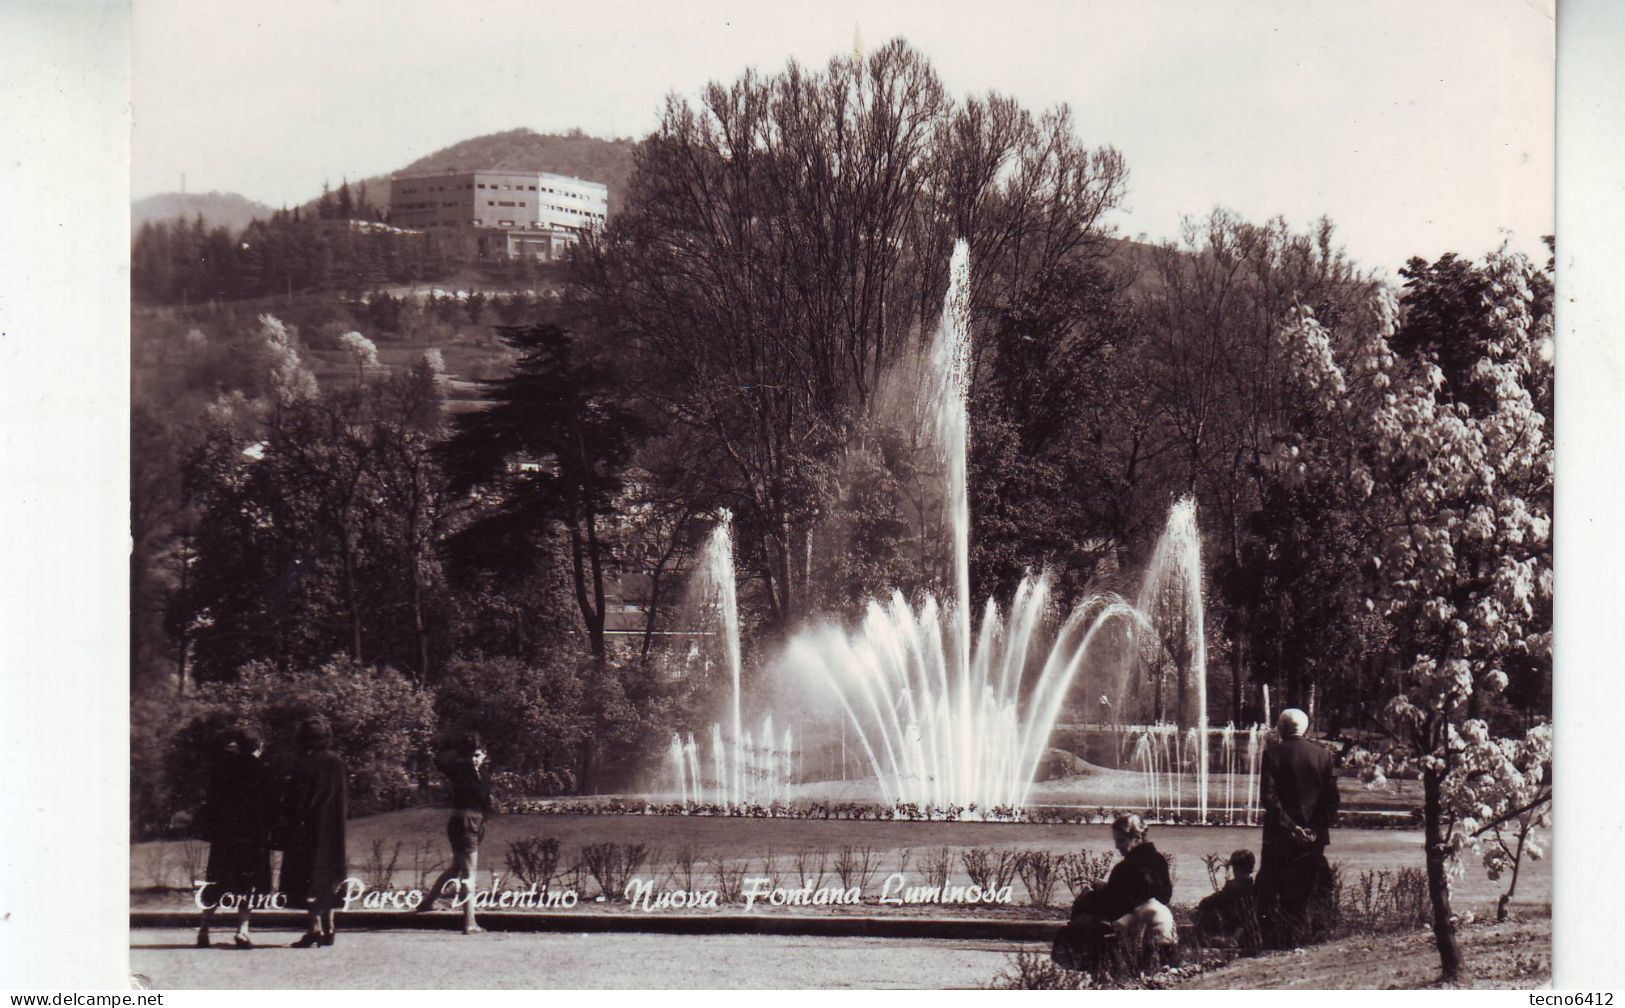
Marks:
<point>549,454</point>
<point>317,521</point>
<point>363,350</point>
<point>1501,793</point>
<point>410,522</point>
<point>1218,394</point>
<point>1464,477</point>
<point>159,526</point>
<point>551,451</point>
<point>782,246</point>
<point>1053,365</point>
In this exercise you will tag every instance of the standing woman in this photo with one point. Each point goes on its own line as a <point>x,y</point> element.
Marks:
<point>464,764</point>
<point>314,813</point>
<point>237,819</point>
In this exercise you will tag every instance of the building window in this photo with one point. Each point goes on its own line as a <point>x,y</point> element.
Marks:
<point>490,202</point>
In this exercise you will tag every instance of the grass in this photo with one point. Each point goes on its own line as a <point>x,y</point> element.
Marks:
<point>742,844</point>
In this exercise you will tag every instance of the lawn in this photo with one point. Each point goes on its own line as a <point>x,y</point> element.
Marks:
<point>748,843</point>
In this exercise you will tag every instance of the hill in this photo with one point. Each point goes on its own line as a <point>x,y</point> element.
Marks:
<point>228,210</point>
<point>575,153</point>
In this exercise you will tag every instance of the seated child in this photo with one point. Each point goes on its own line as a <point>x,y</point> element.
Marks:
<point>1220,916</point>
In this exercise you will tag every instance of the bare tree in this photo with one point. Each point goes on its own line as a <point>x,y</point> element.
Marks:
<point>784,241</point>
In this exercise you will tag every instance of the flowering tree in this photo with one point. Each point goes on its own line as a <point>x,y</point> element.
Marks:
<point>289,379</point>
<point>1454,471</point>
<point>362,349</point>
<point>435,361</point>
<point>1500,793</point>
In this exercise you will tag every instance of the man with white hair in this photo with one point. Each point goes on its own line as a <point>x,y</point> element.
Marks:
<point>1298,793</point>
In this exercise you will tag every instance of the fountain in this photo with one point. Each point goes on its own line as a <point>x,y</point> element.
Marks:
<point>951,717</point>
<point>745,771</point>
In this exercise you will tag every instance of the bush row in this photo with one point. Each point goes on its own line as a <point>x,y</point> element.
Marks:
<point>877,812</point>
<point>535,719</point>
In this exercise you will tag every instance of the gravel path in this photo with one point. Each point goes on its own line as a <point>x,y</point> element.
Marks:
<point>406,959</point>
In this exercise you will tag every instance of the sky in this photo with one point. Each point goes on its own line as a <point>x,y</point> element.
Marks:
<point>1419,127</point>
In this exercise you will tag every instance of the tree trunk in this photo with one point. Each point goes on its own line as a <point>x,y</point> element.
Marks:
<point>417,627</point>
<point>584,777</point>
<point>350,600</point>
<point>652,619</point>
<point>595,626</point>
<point>594,621</point>
<point>183,642</point>
<point>1444,927</point>
<point>1517,863</point>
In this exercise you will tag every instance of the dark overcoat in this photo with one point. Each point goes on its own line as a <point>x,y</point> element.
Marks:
<point>1297,787</point>
<point>317,803</point>
<point>1141,875</point>
<point>239,811</point>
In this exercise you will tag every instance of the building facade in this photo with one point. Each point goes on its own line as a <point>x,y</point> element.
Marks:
<point>534,214</point>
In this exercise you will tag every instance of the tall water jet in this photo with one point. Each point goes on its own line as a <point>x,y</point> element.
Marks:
<point>948,402</point>
<point>745,770</point>
<point>954,712</point>
<point>718,572</point>
<point>945,716</point>
<point>1170,646</point>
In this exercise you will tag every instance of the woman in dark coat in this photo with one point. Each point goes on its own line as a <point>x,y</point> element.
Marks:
<point>237,817</point>
<point>314,812</point>
<point>1141,877</point>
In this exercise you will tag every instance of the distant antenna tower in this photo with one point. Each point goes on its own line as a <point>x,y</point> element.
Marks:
<point>183,183</point>
<point>857,43</point>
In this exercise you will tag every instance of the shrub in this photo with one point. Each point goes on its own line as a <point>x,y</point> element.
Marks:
<point>380,721</point>
<point>194,857</point>
<point>534,860</point>
<point>856,866</point>
<point>1083,871</point>
<point>730,879</point>
<point>426,863</point>
<point>937,865</point>
<point>160,793</point>
<point>903,858</point>
<point>811,867</point>
<point>539,718</point>
<point>684,861</point>
<point>530,716</point>
<point>771,869</point>
<point>378,871</point>
<point>155,866</point>
<point>510,786</point>
<point>1039,871</point>
<point>988,869</point>
<point>1036,971</point>
<point>613,864</point>
<point>1382,899</point>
